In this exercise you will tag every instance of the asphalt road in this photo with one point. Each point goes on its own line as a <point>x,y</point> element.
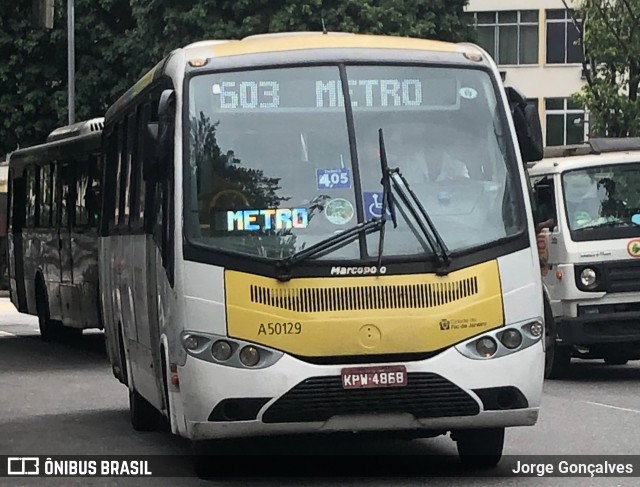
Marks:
<point>61,399</point>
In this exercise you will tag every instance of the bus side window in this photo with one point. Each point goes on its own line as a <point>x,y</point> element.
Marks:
<point>92,194</point>
<point>131,159</point>
<point>66,205</point>
<point>55,176</point>
<point>30,193</point>
<point>544,191</point>
<point>125,180</point>
<point>82,179</point>
<point>44,189</point>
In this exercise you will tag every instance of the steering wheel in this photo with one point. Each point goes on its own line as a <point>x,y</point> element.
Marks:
<point>232,194</point>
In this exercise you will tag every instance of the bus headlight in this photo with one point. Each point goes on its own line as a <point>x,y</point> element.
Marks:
<point>486,347</point>
<point>221,350</point>
<point>511,339</point>
<point>502,341</point>
<point>228,352</point>
<point>250,356</point>
<point>588,277</point>
<point>536,328</point>
<point>194,342</point>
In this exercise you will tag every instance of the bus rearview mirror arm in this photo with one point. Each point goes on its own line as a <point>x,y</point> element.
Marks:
<point>527,124</point>
<point>166,126</point>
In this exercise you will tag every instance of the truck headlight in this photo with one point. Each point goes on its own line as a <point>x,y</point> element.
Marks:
<point>588,277</point>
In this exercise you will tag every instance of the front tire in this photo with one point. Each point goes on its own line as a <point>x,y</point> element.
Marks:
<point>144,417</point>
<point>480,449</point>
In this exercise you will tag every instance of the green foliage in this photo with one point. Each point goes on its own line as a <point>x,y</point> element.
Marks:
<point>118,40</point>
<point>33,67</point>
<point>612,41</point>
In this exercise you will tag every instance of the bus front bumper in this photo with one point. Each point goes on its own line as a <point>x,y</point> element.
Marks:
<point>450,392</point>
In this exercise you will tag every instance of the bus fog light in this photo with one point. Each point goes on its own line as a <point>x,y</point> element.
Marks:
<point>221,350</point>
<point>192,342</point>
<point>511,339</point>
<point>588,277</point>
<point>536,329</point>
<point>486,347</point>
<point>250,356</point>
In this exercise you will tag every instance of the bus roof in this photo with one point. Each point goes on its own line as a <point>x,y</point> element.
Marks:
<point>88,133</point>
<point>294,41</point>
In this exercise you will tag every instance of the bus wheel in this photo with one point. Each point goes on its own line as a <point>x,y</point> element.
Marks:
<point>203,463</point>
<point>480,448</point>
<point>49,329</point>
<point>144,417</point>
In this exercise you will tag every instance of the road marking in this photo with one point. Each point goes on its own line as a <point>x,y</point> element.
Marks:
<point>612,407</point>
<point>6,334</point>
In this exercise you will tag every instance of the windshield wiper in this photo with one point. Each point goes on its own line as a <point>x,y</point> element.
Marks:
<point>387,198</point>
<point>608,223</point>
<point>419,213</point>
<point>334,241</point>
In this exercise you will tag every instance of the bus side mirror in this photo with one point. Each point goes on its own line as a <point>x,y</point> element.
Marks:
<point>166,129</point>
<point>527,124</point>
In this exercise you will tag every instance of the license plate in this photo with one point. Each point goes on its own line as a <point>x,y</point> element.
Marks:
<point>372,377</point>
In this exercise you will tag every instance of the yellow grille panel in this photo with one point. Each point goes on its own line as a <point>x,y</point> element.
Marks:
<point>318,300</point>
<point>342,316</point>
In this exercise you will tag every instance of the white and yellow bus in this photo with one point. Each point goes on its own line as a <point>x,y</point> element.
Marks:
<point>264,271</point>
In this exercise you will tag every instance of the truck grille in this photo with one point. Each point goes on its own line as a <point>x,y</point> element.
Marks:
<point>623,276</point>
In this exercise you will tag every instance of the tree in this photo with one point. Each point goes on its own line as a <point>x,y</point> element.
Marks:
<point>611,42</point>
<point>118,40</point>
<point>191,20</point>
<point>33,67</point>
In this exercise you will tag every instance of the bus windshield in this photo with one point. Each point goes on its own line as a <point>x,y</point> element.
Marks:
<point>273,168</point>
<point>603,201</point>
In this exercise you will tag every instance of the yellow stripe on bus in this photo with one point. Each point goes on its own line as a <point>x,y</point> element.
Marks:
<point>330,41</point>
<point>338,316</point>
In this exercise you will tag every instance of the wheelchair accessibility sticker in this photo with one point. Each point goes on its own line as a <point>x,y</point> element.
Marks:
<point>373,205</point>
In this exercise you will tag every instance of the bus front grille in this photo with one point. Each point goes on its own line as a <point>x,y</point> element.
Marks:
<point>416,296</point>
<point>426,395</point>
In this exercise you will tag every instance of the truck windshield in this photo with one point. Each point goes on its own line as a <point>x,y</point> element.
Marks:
<point>272,169</point>
<point>603,201</point>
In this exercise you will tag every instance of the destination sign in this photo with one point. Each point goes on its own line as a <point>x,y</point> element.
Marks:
<point>326,94</point>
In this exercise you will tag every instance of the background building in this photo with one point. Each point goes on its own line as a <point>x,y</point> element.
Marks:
<point>533,43</point>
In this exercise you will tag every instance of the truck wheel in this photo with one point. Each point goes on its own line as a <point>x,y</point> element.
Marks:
<point>557,359</point>
<point>480,449</point>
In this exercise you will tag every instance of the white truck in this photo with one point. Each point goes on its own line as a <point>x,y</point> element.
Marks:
<point>589,197</point>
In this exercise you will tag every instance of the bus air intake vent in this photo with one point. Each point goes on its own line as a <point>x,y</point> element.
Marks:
<point>426,395</point>
<point>317,300</point>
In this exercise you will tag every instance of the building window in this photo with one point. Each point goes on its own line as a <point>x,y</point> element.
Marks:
<point>566,122</point>
<point>562,38</point>
<point>510,37</point>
